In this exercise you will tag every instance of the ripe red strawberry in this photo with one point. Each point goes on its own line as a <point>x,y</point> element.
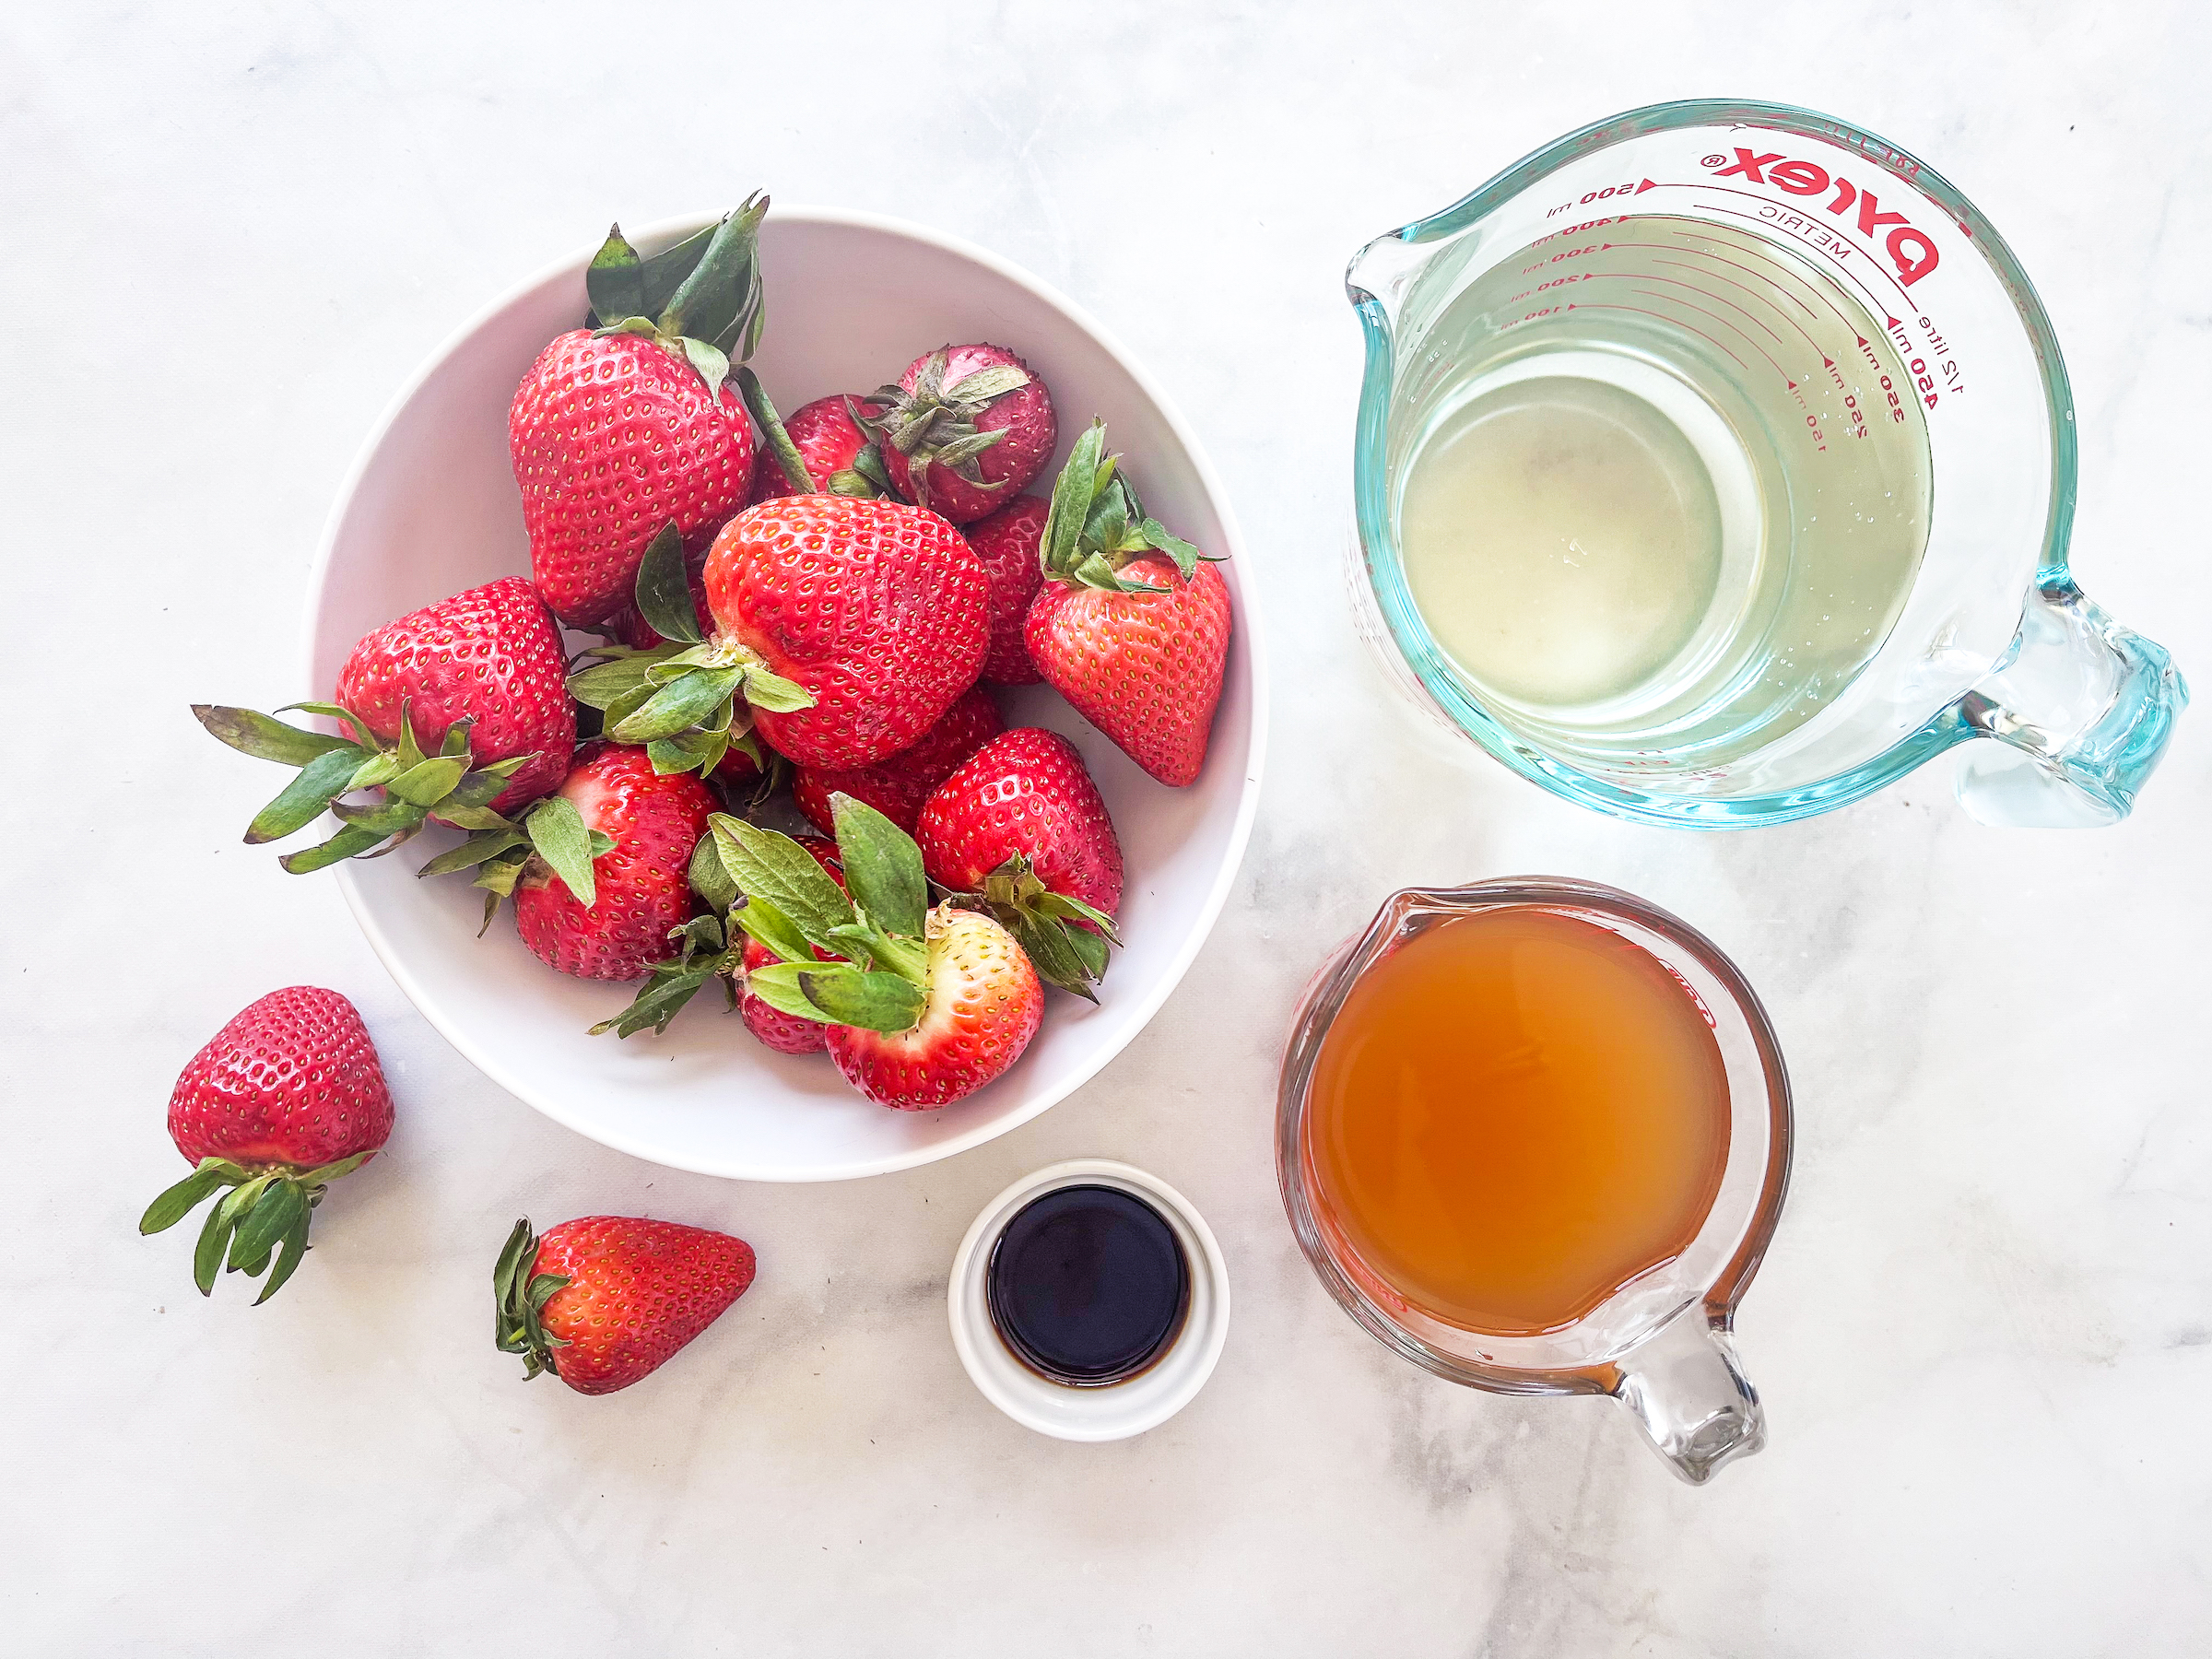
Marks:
<point>877,612</point>
<point>1024,793</point>
<point>1008,542</point>
<point>947,1000</point>
<point>1021,824</point>
<point>479,677</point>
<point>897,787</point>
<point>829,442</point>
<point>965,427</point>
<point>1135,633</point>
<point>283,1100</point>
<point>604,1300</point>
<point>983,1004</point>
<point>636,889</point>
<point>619,430</point>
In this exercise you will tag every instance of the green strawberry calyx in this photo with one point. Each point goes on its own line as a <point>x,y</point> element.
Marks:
<point>701,300</point>
<point>878,923</point>
<point>550,835</point>
<point>1065,938</point>
<point>258,1226</point>
<point>416,786</point>
<point>934,424</point>
<point>520,1294</point>
<point>681,700</point>
<point>1096,524</point>
<point>708,948</point>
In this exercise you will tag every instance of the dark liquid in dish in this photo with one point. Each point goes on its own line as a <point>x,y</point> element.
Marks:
<point>1088,1285</point>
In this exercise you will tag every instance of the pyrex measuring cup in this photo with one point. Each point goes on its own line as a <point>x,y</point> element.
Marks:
<point>1660,1344</point>
<point>1704,459</point>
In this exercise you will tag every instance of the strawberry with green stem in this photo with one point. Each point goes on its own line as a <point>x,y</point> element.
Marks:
<point>455,712</point>
<point>1019,830</point>
<point>927,1006</point>
<point>630,424</point>
<point>688,700</point>
<point>603,1302</point>
<point>286,1098</point>
<point>962,432</point>
<point>1131,625</point>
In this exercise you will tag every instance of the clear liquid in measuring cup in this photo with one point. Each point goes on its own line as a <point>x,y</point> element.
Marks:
<point>1661,488</point>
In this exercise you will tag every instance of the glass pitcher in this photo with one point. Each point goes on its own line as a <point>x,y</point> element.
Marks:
<point>1660,1344</point>
<point>1704,459</point>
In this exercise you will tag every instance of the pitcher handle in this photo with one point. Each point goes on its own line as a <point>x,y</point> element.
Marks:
<point>1689,1396</point>
<point>2081,709</point>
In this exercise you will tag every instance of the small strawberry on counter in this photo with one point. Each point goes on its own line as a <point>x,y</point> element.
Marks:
<point>1131,625</point>
<point>603,1302</point>
<point>283,1100</point>
<point>965,427</point>
<point>456,713</point>
<point>623,428</point>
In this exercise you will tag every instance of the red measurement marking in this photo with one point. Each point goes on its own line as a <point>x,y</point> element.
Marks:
<point>1722,300</point>
<point>1676,322</point>
<point>1725,322</point>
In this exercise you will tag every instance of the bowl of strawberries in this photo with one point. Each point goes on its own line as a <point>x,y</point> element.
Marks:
<point>786,741</point>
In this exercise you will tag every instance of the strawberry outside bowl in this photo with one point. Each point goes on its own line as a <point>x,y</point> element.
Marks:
<point>431,508</point>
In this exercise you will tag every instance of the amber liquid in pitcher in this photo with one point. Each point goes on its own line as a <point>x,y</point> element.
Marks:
<point>1514,1113</point>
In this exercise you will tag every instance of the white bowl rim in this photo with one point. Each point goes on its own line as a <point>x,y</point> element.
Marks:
<point>1248,626</point>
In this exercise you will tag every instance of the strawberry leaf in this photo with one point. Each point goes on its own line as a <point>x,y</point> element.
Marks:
<point>768,865</point>
<point>774,693</point>
<point>349,842</point>
<point>785,454</point>
<point>291,1248</point>
<point>615,281</point>
<point>270,1219</point>
<point>883,867</point>
<point>1158,537</point>
<point>557,833</point>
<point>429,782</point>
<point>677,706</point>
<point>184,1198</point>
<point>330,711</point>
<point>877,1002</point>
<point>709,879</point>
<point>483,846</point>
<point>264,737</point>
<point>656,1005</point>
<point>319,782</point>
<point>711,362</point>
<point>764,921</point>
<point>778,986</point>
<point>1071,502</point>
<point>663,586</point>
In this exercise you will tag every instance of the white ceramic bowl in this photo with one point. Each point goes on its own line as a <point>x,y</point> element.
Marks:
<point>1145,1401</point>
<point>431,508</point>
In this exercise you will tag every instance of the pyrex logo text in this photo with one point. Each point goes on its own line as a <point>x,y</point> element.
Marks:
<point>1914,254</point>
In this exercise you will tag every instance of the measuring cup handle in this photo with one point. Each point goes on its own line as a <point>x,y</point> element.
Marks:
<point>2081,709</point>
<point>1689,1396</point>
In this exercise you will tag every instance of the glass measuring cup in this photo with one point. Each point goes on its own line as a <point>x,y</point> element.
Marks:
<point>1660,1344</point>
<point>1783,438</point>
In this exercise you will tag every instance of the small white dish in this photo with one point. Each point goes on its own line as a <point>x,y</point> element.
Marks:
<point>1145,1401</point>
<point>431,508</point>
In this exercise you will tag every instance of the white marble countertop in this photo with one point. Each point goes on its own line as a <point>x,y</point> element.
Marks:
<point>1984,1334</point>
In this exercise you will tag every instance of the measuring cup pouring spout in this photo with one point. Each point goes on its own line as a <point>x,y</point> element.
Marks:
<point>1715,466</point>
